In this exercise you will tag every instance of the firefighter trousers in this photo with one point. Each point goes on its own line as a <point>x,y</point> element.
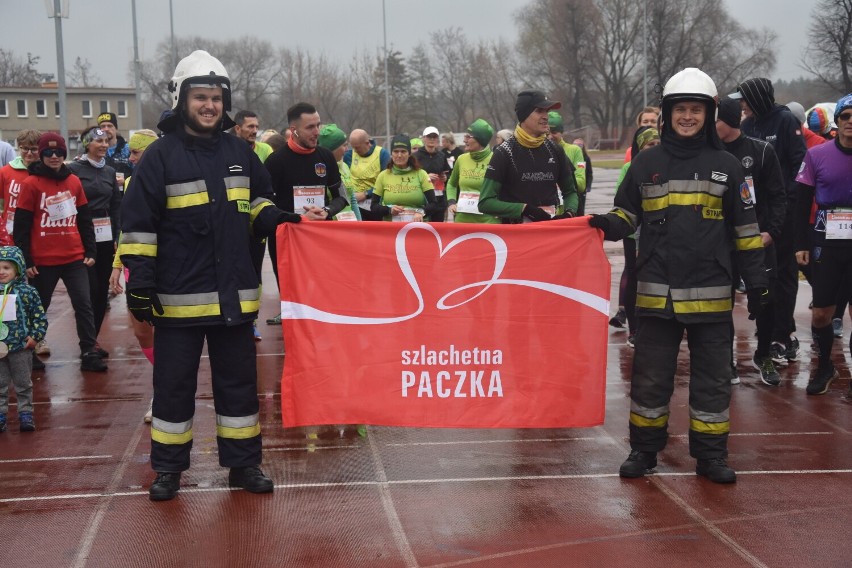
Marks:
<point>654,367</point>
<point>233,368</point>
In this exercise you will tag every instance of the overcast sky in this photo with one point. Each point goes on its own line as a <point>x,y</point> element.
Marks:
<point>101,30</point>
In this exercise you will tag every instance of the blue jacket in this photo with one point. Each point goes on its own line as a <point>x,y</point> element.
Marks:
<point>187,221</point>
<point>30,319</point>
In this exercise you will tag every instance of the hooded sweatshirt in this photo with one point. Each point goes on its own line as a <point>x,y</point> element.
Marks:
<point>29,318</point>
<point>775,124</point>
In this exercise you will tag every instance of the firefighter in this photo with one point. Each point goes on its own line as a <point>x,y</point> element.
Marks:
<point>197,198</point>
<point>694,207</point>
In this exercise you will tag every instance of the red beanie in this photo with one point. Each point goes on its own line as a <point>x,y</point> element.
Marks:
<point>51,141</point>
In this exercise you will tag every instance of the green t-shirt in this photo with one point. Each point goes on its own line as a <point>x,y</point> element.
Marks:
<point>467,177</point>
<point>262,149</point>
<point>575,156</point>
<point>403,187</point>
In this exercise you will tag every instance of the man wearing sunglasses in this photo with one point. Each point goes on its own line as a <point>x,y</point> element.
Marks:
<point>827,245</point>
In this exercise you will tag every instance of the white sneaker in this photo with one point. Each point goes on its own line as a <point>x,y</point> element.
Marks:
<point>150,414</point>
<point>42,348</point>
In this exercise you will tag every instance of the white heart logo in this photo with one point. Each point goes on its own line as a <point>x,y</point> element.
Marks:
<point>293,310</point>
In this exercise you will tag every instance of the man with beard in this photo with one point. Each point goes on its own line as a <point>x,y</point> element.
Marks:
<point>691,201</point>
<point>194,201</point>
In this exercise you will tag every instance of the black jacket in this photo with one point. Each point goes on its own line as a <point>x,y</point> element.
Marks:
<point>761,164</point>
<point>692,215</point>
<point>781,129</point>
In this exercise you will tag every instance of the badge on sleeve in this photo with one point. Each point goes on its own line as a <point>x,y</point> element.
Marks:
<point>745,194</point>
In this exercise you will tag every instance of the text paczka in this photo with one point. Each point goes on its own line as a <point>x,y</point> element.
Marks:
<point>451,383</point>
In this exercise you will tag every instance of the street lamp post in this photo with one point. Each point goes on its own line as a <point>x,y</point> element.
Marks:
<point>137,81</point>
<point>58,9</point>
<point>387,85</point>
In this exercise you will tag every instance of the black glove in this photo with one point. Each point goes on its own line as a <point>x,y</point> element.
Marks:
<point>758,299</point>
<point>286,217</point>
<point>534,213</point>
<point>566,215</point>
<point>599,222</point>
<point>143,302</point>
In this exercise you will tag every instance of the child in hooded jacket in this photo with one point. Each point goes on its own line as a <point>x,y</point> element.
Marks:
<point>23,325</point>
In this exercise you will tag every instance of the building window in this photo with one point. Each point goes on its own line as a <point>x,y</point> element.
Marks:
<point>22,108</point>
<point>87,109</point>
<point>104,106</point>
<point>56,108</point>
<point>122,109</point>
<point>4,111</point>
<point>41,107</point>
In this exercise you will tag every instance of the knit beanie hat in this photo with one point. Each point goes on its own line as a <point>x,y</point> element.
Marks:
<point>51,141</point>
<point>642,138</point>
<point>141,139</point>
<point>331,137</point>
<point>842,104</point>
<point>418,142</point>
<point>108,117</point>
<point>798,111</point>
<point>528,101</point>
<point>401,141</point>
<point>758,93</point>
<point>730,112</point>
<point>554,121</point>
<point>481,131</point>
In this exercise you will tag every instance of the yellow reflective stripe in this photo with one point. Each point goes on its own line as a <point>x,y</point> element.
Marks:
<point>256,209</point>
<point>749,243</point>
<point>643,422</point>
<point>248,306</point>
<point>238,433</point>
<point>166,438</point>
<point>709,427</point>
<point>138,249</point>
<point>181,201</point>
<point>653,302</point>
<point>701,306</point>
<point>236,193</point>
<point>683,200</point>
<point>197,311</point>
<point>628,217</point>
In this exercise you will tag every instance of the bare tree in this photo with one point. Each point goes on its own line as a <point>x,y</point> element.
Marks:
<point>452,68</point>
<point>829,53</point>
<point>81,74</point>
<point>15,72</point>
<point>495,83</point>
<point>422,104</point>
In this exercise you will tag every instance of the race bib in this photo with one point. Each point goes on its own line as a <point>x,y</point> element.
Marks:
<point>60,206</point>
<point>408,215</point>
<point>308,195</point>
<point>838,225</point>
<point>468,202</point>
<point>103,229</point>
<point>9,311</point>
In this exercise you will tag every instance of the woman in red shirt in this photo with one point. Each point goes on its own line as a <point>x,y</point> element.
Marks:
<point>53,227</point>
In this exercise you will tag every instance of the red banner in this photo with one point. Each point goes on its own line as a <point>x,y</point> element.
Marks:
<point>444,325</point>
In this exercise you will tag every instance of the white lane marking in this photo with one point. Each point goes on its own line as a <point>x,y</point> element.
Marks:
<point>436,481</point>
<point>57,458</point>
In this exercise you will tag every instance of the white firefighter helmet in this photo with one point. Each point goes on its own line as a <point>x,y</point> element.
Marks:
<point>199,68</point>
<point>690,83</point>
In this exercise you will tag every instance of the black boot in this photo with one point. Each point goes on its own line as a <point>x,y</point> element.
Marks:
<point>165,486</point>
<point>716,470</point>
<point>251,479</point>
<point>92,362</point>
<point>638,464</point>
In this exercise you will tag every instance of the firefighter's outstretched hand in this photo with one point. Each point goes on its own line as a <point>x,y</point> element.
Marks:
<point>600,222</point>
<point>143,303</point>
<point>758,299</point>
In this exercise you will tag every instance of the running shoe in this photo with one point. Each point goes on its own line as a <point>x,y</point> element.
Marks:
<point>768,374</point>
